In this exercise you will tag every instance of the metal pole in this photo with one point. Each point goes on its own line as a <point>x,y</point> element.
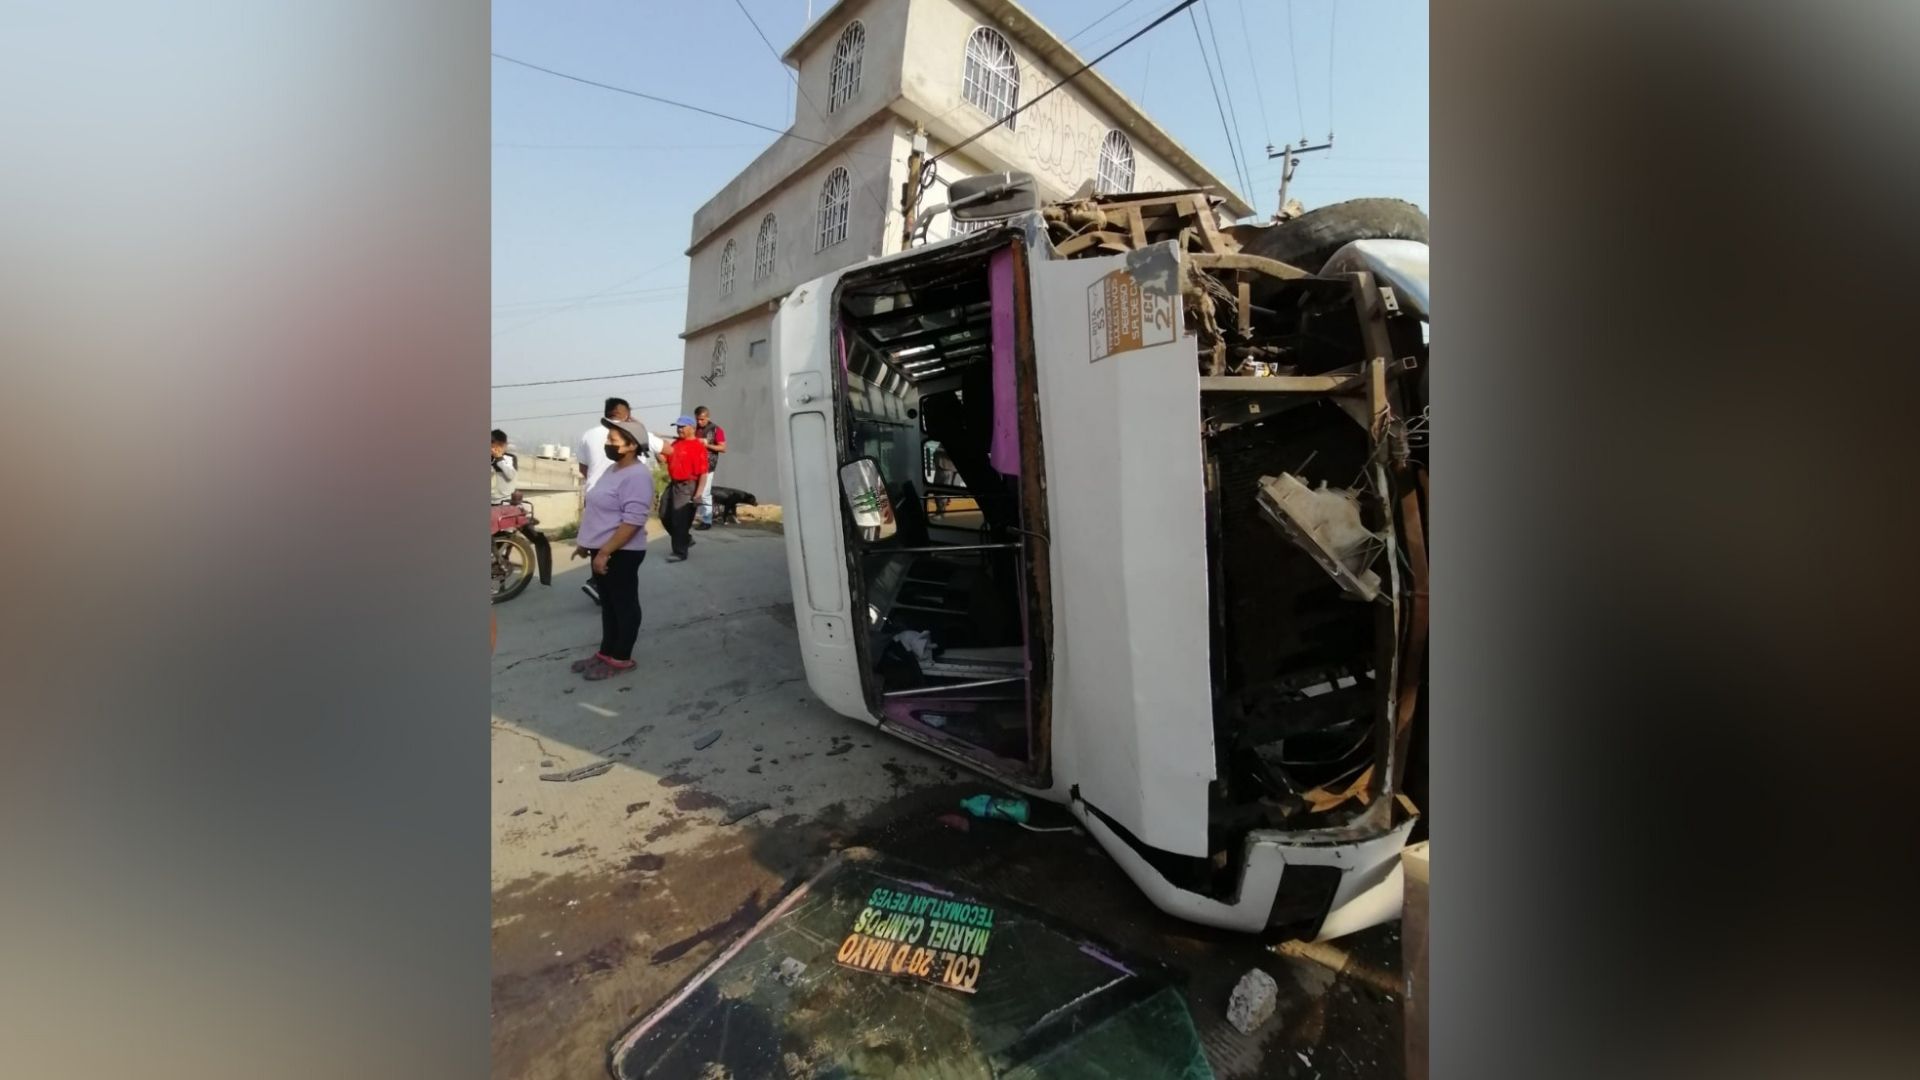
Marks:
<point>1287,165</point>
<point>1286,176</point>
<point>921,691</point>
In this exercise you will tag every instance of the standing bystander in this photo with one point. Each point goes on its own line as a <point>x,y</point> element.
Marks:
<point>714,438</point>
<point>613,533</point>
<point>686,464</point>
<point>593,461</point>
<point>506,468</point>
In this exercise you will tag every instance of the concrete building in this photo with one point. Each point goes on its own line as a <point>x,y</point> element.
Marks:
<point>827,193</point>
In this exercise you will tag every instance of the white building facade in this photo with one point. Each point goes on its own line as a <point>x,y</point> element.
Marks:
<point>827,193</point>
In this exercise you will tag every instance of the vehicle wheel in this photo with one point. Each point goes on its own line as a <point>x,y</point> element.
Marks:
<point>512,566</point>
<point>1309,240</point>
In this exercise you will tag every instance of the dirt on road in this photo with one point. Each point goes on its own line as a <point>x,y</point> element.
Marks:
<point>610,891</point>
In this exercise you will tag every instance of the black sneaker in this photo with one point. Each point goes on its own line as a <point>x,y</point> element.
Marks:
<point>704,527</point>
<point>593,594</point>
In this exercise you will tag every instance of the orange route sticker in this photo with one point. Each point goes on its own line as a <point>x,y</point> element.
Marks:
<point>1122,317</point>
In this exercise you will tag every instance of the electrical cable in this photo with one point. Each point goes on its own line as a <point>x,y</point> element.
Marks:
<point>591,296</point>
<point>1233,110</point>
<point>808,98</point>
<point>585,378</point>
<point>1101,19</point>
<point>1259,92</point>
<point>1333,36</point>
<point>580,412</point>
<point>1225,131</point>
<point>1042,96</point>
<point>1295,54</point>
<point>648,97</point>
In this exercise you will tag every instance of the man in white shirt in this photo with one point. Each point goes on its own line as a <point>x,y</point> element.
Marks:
<point>505,467</point>
<point>590,452</point>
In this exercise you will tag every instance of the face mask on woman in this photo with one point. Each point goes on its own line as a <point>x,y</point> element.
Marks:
<point>613,452</point>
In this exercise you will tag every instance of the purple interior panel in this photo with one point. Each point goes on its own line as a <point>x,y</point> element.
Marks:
<point>1003,452</point>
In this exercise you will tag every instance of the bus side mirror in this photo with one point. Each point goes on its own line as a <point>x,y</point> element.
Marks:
<point>867,498</point>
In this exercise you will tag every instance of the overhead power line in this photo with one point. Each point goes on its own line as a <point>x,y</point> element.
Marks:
<point>651,290</point>
<point>585,378</point>
<point>588,298</point>
<point>804,96</point>
<point>1259,92</point>
<point>578,412</point>
<point>1042,96</point>
<point>1077,33</point>
<point>1227,132</point>
<point>1294,54</point>
<point>1333,36</point>
<point>651,97</point>
<point>1239,140</point>
<point>621,146</point>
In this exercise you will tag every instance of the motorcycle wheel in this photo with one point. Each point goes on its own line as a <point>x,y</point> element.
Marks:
<point>512,566</point>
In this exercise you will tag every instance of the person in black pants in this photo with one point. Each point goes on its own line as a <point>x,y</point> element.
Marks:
<point>613,531</point>
<point>686,465</point>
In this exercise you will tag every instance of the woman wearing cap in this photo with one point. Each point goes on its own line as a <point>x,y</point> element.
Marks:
<point>686,464</point>
<point>613,533</point>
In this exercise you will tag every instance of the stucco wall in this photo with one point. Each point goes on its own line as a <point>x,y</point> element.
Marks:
<point>741,399</point>
<point>885,22</point>
<point>795,205</point>
<point>1058,140</point>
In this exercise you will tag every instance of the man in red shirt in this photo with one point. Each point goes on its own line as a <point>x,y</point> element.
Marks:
<point>686,464</point>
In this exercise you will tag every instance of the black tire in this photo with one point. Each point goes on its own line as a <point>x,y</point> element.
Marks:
<point>515,553</point>
<point>1309,240</point>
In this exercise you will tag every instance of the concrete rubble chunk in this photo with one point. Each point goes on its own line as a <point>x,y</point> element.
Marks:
<point>706,740</point>
<point>1253,1001</point>
<point>790,971</point>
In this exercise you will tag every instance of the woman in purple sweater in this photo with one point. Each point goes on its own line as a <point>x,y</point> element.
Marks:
<point>613,532</point>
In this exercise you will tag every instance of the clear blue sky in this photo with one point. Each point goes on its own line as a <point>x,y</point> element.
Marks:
<point>594,192</point>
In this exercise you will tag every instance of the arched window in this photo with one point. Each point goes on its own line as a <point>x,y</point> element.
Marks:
<point>1116,164</point>
<point>844,82</point>
<point>726,268</point>
<point>763,249</point>
<point>992,79</point>
<point>835,194</point>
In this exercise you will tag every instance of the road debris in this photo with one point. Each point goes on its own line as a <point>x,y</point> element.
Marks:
<point>706,740</point>
<point>742,810</point>
<point>986,806</point>
<point>581,773</point>
<point>1253,1001</point>
<point>790,971</point>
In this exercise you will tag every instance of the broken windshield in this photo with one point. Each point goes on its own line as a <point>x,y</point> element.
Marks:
<point>875,968</point>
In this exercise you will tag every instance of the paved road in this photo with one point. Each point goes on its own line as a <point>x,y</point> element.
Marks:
<point>610,891</point>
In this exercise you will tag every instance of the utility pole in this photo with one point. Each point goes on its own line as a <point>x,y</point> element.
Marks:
<point>910,191</point>
<point>1286,167</point>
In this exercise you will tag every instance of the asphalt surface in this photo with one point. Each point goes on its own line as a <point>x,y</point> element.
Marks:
<point>612,890</point>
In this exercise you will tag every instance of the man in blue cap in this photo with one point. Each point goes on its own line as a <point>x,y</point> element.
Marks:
<point>686,464</point>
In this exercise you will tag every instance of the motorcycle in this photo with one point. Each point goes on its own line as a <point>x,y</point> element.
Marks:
<point>520,550</point>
